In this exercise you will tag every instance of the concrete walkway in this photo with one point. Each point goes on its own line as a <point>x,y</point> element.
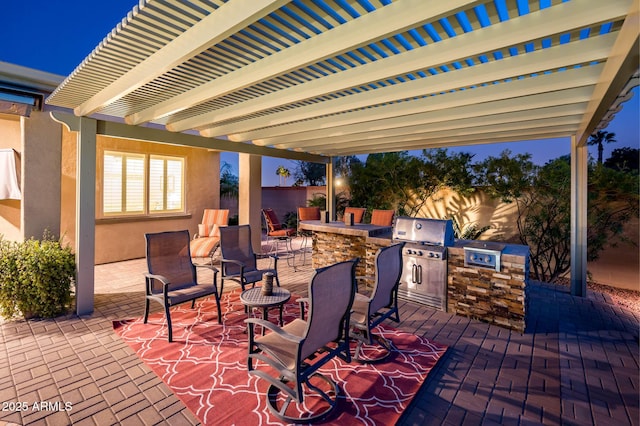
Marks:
<point>576,364</point>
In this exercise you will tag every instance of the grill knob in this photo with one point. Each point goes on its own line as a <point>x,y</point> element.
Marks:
<point>419,253</point>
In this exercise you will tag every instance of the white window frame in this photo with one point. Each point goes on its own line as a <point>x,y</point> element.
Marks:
<point>147,209</point>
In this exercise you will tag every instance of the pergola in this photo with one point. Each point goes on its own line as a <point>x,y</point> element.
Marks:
<point>318,79</point>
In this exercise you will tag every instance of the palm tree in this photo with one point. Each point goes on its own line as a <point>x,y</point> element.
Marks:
<point>600,137</point>
<point>284,173</point>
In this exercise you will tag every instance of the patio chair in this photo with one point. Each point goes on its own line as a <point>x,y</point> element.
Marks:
<point>369,311</point>
<point>172,277</point>
<point>306,213</point>
<point>358,213</point>
<point>238,261</point>
<point>382,217</point>
<point>298,391</point>
<point>276,233</point>
<point>206,242</point>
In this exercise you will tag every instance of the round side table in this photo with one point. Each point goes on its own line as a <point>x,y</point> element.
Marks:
<point>253,298</point>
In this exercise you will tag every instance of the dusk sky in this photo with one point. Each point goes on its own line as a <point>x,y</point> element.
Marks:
<point>55,36</point>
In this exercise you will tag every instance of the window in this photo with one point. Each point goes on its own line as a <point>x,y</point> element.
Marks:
<point>137,184</point>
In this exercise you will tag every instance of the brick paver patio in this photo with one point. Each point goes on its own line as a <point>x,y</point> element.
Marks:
<point>576,364</point>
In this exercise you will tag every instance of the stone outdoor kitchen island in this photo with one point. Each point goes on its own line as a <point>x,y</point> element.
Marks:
<point>493,296</point>
<point>336,242</point>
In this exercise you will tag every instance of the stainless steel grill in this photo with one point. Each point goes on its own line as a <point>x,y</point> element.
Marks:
<point>424,274</point>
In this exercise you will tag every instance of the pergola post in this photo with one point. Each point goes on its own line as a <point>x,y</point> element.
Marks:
<point>85,215</point>
<point>579,178</point>
<point>250,196</point>
<point>331,188</point>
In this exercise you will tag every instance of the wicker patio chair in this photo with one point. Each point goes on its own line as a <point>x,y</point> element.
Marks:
<point>298,391</point>
<point>172,277</point>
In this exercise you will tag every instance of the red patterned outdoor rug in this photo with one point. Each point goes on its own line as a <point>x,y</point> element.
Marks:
<point>206,367</point>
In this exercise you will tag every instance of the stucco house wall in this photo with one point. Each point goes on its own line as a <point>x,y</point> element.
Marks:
<point>36,139</point>
<point>120,239</point>
<point>10,209</point>
<point>286,199</point>
<point>477,209</point>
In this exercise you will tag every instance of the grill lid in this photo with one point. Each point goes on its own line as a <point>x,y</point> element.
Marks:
<point>436,232</point>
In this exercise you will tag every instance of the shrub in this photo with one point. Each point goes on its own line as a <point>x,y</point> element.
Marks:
<point>36,278</point>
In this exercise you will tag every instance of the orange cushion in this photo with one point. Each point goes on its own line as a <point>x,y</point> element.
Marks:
<point>308,213</point>
<point>272,220</point>
<point>382,217</point>
<point>358,213</point>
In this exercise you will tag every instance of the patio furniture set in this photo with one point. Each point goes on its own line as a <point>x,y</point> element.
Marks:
<point>334,312</point>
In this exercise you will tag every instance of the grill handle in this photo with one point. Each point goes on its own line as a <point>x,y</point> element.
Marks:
<point>416,273</point>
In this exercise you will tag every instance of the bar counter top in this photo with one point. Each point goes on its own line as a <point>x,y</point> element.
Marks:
<point>357,230</point>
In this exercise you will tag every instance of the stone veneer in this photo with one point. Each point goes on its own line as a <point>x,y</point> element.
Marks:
<point>332,248</point>
<point>483,294</point>
<point>335,242</point>
<point>488,295</point>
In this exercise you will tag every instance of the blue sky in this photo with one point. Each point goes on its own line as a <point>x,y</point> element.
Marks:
<point>56,35</point>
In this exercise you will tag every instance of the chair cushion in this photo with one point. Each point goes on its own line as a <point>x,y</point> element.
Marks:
<point>203,247</point>
<point>360,309</point>
<point>308,213</point>
<point>189,292</point>
<point>208,230</point>
<point>382,217</point>
<point>282,232</point>
<point>272,220</point>
<point>283,350</point>
<point>358,213</point>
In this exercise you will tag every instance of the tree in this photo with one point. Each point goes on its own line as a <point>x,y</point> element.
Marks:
<point>544,209</point>
<point>284,173</point>
<point>544,213</point>
<point>385,181</point>
<point>507,176</point>
<point>311,173</point>
<point>624,160</point>
<point>613,200</point>
<point>600,138</point>
<point>228,181</point>
<point>404,182</point>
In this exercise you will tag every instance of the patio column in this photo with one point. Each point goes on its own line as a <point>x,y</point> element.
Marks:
<point>40,175</point>
<point>331,188</point>
<point>250,196</point>
<point>86,215</point>
<point>579,176</point>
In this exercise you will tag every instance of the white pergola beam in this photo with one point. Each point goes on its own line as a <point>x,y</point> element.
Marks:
<point>623,60</point>
<point>519,119</point>
<point>574,86</point>
<point>470,45</point>
<point>215,27</point>
<point>467,139</point>
<point>396,17</point>
<point>396,138</point>
<point>477,115</point>
<point>584,51</point>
